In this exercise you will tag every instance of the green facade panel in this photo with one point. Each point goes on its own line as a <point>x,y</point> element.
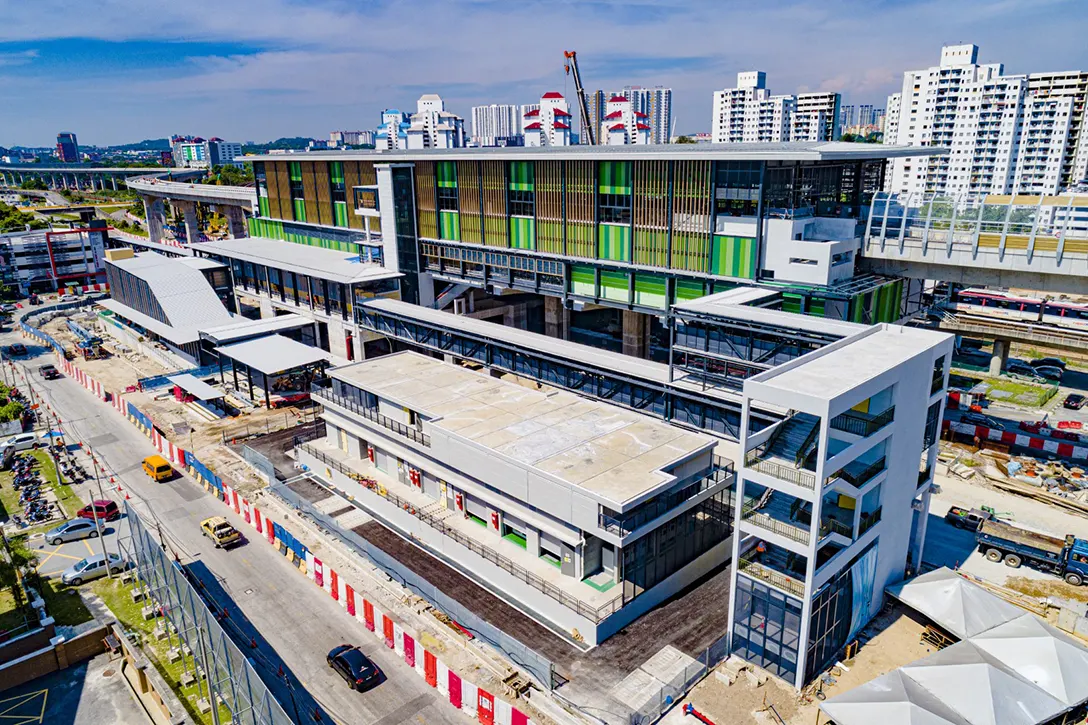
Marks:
<point>522,175</point>
<point>614,286</point>
<point>687,289</point>
<point>734,257</point>
<point>614,177</point>
<point>583,281</point>
<point>522,233</point>
<point>449,226</point>
<point>614,242</point>
<point>274,229</point>
<point>650,291</point>
<point>792,302</point>
<point>300,209</point>
<point>446,174</point>
<point>262,206</point>
<point>340,211</point>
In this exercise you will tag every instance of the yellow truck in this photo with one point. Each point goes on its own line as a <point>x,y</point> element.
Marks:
<point>219,530</point>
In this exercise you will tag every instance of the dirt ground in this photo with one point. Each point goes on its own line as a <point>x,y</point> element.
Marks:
<point>891,640</point>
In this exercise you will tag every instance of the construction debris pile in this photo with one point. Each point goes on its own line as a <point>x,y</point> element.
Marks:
<point>1053,482</point>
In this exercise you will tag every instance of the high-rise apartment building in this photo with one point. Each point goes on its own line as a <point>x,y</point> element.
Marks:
<point>865,114</point>
<point>548,124</point>
<point>846,118</point>
<point>750,114</point>
<point>392,131</point>
<point>222,152</point>
<point>67,148</point>
<point>598,107</point>
<point>623,124</point>
<point>193,152</point>
<point>1006,134</point>
<point>351,138</point>
<point>656,104</point>
<point>495,125</point>
<point>433,127</point>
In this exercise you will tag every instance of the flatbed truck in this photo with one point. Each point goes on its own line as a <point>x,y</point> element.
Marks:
<point>1066,557</point>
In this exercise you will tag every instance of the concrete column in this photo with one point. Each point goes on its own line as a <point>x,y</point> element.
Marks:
<point>113,182</point>
<point>516,316</point>
<point>636,334</point>
<point>556,318</point>
<point>155,213</point>
<point>267,311</point>
<point>999,358</point>
<point>236,221</point>
<point>918,546</point>
<point>191,220</point>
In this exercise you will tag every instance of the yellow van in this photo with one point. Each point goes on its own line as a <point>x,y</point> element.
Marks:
<point>158,468</point>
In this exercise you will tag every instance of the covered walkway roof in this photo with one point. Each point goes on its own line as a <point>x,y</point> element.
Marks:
<point>274,354</point>
<point>195,386</point>
<point>326,264</point>
<point>244,328</point>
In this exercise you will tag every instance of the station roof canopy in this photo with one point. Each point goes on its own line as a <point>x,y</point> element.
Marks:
<point>274,354</point>
<point>784,151</point>
<point>955,604</point>
<point>317,262</point>
<point>740,305</point>
<point>195,386</point>
<point>244,328</point>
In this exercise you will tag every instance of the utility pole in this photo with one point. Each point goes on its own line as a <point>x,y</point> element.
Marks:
<point>98,520</point>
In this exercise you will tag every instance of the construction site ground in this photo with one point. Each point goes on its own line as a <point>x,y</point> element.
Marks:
<point>119,371</point>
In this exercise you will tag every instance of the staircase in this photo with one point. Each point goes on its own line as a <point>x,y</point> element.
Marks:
<point>449,295</point>
<point>796,439</point>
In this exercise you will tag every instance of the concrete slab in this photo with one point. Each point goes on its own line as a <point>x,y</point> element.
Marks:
<point>90,693</point>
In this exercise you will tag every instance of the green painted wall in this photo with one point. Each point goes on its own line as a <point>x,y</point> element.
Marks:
<point>273,229</point>
<point>449,225</point>
<point>686,289</point>
<point>614,286</point>
<point>340,211</point>
<point>735,257</point>
<point>614,177</point>
<point>446,174</point>
<point>522,175</point>
<point>650,290</point>
<point>582,281</point>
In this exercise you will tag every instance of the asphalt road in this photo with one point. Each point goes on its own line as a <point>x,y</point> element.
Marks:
<point>299,622</point>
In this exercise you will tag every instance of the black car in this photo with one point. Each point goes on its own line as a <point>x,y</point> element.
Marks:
<point>16,350</point>
<point>1054,362</point>
<point>355,667</point>
<point>49,372</point>
<point>1074,401</point>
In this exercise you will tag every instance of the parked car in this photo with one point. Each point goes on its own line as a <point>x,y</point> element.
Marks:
<point>1049,372</point>
<point>16,350</point>
<point>1054,362</point>
<point>219,530</point>
<point>1074,401</point>
<point>73,530</point>
<point>8,307</point>
<point>20,442</point>
<point>49,372</point>
<point>355,667</point>
<point>100,509</point>
<point>963,518</point>
<point>980,419</point>
<point>92,567</point>
<point>1017,367</point>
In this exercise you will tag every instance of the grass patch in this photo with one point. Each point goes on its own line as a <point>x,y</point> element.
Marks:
<point>63,603</point>
<point>114,208</point>
<point>1018,392</point>
<point>11,618</point>
<point>118,598</point>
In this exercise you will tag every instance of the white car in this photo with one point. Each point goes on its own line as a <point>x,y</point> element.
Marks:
<point>92,567</point>
<point>73,530</point>
<point>20,442</point>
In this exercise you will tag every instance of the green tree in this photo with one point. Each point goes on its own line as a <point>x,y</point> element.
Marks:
<point>13,220</point>
<point>34,183</point>
<point>17,564</point>
<point>227,175</point>
<point>684,139</point>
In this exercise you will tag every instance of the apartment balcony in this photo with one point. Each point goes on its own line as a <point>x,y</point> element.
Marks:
<point>781,569</point>
<point>721,475</point>
<point>857,474</point>
<point>862,424</point>
<point>776,512</point>
<point>325,395</point>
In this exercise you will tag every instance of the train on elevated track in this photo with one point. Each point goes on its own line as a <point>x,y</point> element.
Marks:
<point>1062,314</point>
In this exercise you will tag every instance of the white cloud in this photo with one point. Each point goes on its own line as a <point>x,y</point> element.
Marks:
<point>18,58</point>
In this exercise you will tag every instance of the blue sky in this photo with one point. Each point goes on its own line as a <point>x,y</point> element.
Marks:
<point>123,70</point>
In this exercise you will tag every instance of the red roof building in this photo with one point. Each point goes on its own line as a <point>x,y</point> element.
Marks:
<point>533,113</point>
<point>618,127</point>
<point>561,125</point>
<point>561,112</point>
<point>617,99</point>
<point>552,94</point>
<point>533,126</point>
<point>614,115</point>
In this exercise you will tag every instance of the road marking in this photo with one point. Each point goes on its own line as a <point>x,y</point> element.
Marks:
<point>88,545</point>
<point>10,708</point>
<point>245,561</point>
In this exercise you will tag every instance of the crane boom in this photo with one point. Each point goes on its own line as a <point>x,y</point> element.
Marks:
<point>572,65</point>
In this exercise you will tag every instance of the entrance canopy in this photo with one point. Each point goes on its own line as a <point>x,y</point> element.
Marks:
<point>195,387</point>
<point>274,354</point>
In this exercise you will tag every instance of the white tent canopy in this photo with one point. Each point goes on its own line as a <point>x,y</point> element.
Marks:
<point>956,604</point>
<point>1041,654</point>
<point>981,689</point>
<point>893,699</point>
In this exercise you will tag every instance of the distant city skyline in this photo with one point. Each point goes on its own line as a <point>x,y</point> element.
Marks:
<point>247,69</point>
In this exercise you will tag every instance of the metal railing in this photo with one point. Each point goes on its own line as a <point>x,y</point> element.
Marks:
<point>685,489</point>
<point>833,526</point>
<point>372,414</point>
<point>859,477</point>
<point>755,460</point>
<point>861,424</point>
<point>868,522</point>
<point>766,521</point>
<point>772,577</point>
<point>593,614</point>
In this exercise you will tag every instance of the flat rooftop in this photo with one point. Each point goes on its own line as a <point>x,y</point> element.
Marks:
<point>317,262</point>
<point>616,455</point>
<point>832,371</point>
<point>788,151</point>
<point>273,354</point>
<point>735,305</point>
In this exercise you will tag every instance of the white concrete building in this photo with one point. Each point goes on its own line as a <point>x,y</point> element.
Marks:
<point>433,127</point>
<point>750,114</point>
<point>989,120</point>
<point>832,501</point>
<point>392,131</point>
<point>351,138</point>
<point>582,514</point>
<point>495,122</point>
<point>622,124</point>
<point>228,153</point>
<point>656,104</point>
<point>548,124</point>
<point>41,261</point>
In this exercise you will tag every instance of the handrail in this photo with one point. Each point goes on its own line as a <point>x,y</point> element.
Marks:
<point>751,513</point>
<point>801,451</point>
<point>778,579</point>
<point>861,424</point>
<point>595,615</point>
<point>870,521</point>
<point>754,460</point>
<point>684,490</point>
<point>834,526</point>
<point>861,477</point>
<point>373,415</point>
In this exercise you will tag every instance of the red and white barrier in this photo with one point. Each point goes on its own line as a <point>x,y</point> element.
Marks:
<point>1023,440</point>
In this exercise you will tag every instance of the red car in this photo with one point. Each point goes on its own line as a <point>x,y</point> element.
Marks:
<point>102,509</point>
